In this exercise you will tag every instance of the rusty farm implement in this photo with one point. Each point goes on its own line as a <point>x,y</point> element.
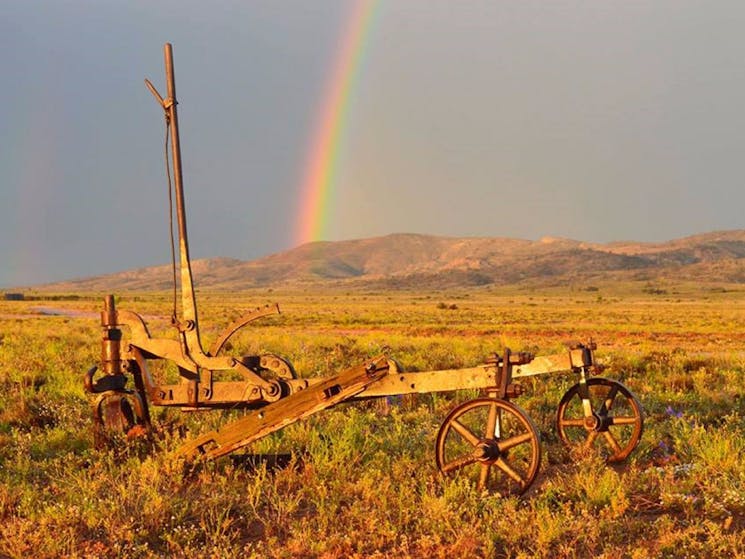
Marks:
<point>489,439</point>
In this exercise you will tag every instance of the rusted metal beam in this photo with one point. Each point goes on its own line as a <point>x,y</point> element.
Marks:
<point>275,416</point>
<point>240,323</point>
<point>571,360</point>
<point>432,381</point>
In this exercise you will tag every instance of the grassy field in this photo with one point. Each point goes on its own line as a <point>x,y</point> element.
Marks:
<point>363,482</point>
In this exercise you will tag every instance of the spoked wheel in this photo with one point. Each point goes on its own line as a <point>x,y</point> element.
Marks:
<point>493,442</point>
<point>612,423</point>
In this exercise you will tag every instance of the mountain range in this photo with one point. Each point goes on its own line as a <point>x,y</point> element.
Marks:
<point>426,261</point>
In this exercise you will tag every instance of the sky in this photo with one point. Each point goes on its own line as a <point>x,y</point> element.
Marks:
<point>596,121</point>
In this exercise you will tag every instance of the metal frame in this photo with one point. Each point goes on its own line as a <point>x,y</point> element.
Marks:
<point>275,397</point>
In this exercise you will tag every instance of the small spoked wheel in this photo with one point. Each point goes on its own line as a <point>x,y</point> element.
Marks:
<point>493,442</point>
<point>609,422</point>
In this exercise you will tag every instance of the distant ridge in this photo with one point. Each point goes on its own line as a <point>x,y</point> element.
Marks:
<point>424,261</point>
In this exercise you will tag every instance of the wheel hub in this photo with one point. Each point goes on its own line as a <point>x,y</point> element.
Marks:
<point>604,422</point>
<point>593,422</point>
<point>486,450</point>
<point>597,422</point>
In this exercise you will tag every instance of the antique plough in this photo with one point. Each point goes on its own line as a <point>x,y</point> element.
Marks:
<point>490,439</point>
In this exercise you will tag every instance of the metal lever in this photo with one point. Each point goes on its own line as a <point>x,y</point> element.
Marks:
<point>155,93</point>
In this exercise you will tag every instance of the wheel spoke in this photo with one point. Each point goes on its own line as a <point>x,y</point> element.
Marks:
<point>458,463</point>
<point>591,436</point>
<point>624,420</point>
<point>507,469</point>
<point>511,442</point>
<point>612,442</point>
<point>464,432</point>
<point>609,399</point>
<point>491,422</point>
<point>484,476</point>
<point>573,422</point>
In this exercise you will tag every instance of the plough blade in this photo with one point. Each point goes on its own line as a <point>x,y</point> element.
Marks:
<point>275,416</point>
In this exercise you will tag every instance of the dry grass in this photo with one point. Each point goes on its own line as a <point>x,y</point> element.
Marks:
<point>364,483</point>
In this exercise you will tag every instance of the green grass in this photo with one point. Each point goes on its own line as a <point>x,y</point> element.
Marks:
<point>363,482</point>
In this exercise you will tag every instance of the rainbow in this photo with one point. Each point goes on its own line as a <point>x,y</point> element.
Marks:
<point>322,161</point>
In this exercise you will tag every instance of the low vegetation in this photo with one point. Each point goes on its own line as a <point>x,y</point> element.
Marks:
<point>362,480</point>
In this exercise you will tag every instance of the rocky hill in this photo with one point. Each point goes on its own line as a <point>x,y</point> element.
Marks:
<point>411,261</point>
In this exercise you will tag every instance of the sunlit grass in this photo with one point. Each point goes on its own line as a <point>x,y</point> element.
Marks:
<point>363,482</point>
